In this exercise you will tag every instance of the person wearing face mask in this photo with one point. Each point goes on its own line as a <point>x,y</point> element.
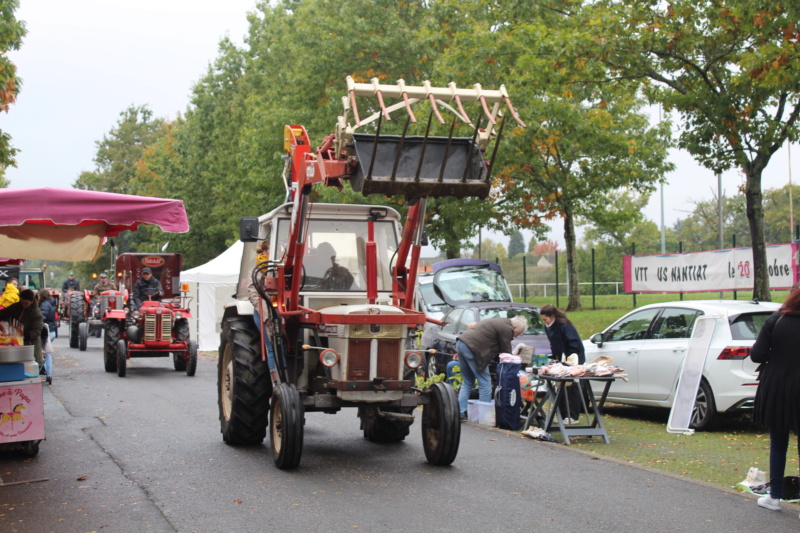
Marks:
<point>565,341</point>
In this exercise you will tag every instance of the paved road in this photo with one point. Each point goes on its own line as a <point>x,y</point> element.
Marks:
<point>144,453</point>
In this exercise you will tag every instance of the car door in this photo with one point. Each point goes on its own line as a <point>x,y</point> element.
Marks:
<point>661,354</point>
<point>622,342</point>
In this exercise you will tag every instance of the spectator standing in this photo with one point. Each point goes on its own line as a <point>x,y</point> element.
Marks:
<point>10,294</point>
<point>49,331</point>
<point>565,341</point>
<point>777,405</point>
<point>476,347</point>
<point>27,313</point>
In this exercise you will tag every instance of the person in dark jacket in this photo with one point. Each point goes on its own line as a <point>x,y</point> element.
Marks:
<point>47,305</point>
<point>71,284</point>
<point>477,346</point>
<point>27,313</point>
<point>777,405</point>
<point>564,341</point>
<point>147,288</point>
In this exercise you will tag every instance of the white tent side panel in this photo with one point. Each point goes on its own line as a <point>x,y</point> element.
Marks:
<point>211,286</point>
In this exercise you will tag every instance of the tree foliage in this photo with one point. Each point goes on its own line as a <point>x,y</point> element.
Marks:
<point>11,33</point>
<point>727,67</point>
<point>516,244</point>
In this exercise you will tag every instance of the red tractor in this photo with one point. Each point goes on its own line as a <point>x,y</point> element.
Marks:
<point>158,328</point>
<point>335,282</point>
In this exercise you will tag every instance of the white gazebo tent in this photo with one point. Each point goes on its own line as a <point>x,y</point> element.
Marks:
<point>211,286</point>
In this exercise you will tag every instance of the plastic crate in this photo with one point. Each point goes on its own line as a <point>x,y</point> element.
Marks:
<point>12,372</point>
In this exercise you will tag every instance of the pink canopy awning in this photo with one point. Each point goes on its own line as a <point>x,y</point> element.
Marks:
<point>71,224</point>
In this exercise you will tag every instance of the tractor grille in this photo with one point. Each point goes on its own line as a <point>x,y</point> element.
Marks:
<point>110,301</point>
<point>158,327</point>
<point>358,359</point>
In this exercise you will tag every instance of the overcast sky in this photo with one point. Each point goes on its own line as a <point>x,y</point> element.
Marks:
<point>85,61</point>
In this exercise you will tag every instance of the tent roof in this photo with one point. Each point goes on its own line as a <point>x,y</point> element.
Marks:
<point>222,269</point>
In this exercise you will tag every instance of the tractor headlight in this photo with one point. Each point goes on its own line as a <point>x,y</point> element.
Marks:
<point>178,315</point>
<point>136,315</point>
<point>329,358</point>
<point>413,359</point>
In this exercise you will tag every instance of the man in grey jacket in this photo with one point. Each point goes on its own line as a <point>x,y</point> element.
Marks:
<point>477,346</point>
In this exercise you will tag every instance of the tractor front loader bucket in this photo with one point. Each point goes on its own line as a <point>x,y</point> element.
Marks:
<point>422,166</point>
<point>417,166</point>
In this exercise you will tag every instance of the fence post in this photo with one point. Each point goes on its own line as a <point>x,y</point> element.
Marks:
<point>680,251</point>
<point>734,245</point>
<point>594,288</point>
<point>633,252</point>
<point>557,279</point>
<point>525,277</point>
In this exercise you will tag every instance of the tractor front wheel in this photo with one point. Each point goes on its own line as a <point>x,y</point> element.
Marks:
<point>441,425</point>
<point>83,336</point>
<point>181,333</point>
<point>286,426</point>
<point>122,358</point>
<point>191,364</point>
<point>110,345</point>
<point>243,383</point>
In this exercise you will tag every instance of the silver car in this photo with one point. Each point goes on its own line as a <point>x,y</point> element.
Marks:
<point>650,344</point>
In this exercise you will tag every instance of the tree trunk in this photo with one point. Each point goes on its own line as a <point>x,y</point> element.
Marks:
<point>574,303</point>
<point>755,218</point>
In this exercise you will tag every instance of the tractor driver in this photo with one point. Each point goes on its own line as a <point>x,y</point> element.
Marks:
<point>103,285</point>
<point>147,288</point>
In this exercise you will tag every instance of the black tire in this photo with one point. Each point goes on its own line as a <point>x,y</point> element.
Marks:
<point>244,385</point>
<point>122,358</point>
<point>75,317</point>
<point>191,364</point>
<point>83,336</point>
<point>98,331</point>
<point>704,412</point>
<point>379,428</point>
<point>441,425</point>
<point>181,333</point>
<point>30,448</point>
<point>286,426</point>
<point>113,329</point>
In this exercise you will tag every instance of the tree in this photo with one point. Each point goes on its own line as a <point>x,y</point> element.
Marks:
<point>516,244</point>
<point>727,67</point>
<point>11,33</point>
<point>545,248</point>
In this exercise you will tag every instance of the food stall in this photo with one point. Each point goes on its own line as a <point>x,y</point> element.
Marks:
<point>58,225</point>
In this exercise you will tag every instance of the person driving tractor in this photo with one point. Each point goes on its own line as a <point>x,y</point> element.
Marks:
<point>103,285</point>
<point>147,288</point>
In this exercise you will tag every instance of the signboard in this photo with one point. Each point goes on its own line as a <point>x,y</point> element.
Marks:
<point>21,412</point>
<point>710,271</point>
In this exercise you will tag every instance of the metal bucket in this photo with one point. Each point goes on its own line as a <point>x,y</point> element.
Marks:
<point>16,354</point>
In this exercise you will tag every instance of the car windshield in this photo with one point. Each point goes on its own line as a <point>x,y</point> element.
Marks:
<point>431,299</point>
<point>745,327</point>
<point>535,324</point>
<point>473,284</point>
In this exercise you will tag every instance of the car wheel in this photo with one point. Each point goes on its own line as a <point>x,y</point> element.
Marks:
<point>705,409</point>
<point>432,369</point>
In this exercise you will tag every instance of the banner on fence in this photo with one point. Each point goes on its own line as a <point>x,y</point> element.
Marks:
<point>710,271</point>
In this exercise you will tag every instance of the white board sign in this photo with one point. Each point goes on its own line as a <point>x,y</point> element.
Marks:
<point>715,270</point>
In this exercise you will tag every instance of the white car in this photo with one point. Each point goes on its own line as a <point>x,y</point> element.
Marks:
<point>650,343</point>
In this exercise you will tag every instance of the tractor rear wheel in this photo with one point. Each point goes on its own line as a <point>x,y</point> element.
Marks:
<point>83,336</point>
<point>441,425</point>
<point>243,383</point>
<point>286,426</point>
<point>180,333</point>
<point>122,358</point>
<point>110,345</point>
<point>191,364</point>
<point>391,425</point>
<point>75,318</point>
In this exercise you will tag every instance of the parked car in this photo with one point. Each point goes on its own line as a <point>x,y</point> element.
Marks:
<point>459,281</point>
<point>650,343</point>
<point>443,338</point>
